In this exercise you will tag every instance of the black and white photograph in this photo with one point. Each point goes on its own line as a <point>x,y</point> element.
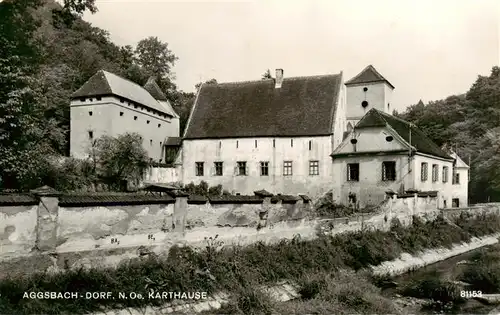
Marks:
<point>257,157</point>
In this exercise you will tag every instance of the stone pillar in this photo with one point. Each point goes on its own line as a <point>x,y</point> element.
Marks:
<point>47,218</point>
<point>266,206</point>
<point>180,211</point>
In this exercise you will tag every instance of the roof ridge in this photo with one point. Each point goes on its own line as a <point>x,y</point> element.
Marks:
<point>123,78</point>
<point>261,80</point>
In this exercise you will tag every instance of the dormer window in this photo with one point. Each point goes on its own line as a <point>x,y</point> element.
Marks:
<point>98,98</point>
<point>82,99</point>
<point>122,100</point>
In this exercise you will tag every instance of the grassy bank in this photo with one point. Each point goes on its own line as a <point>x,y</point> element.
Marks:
<point>239,269</point>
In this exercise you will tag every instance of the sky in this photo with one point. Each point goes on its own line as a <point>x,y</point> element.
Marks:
<point>428,49</point>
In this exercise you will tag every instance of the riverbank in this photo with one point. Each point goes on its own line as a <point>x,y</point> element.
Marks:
<point>241,269</point>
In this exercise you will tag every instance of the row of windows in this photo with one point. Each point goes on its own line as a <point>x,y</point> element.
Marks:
<point>121,115</point>
<point>388,171</point>
<point>91,137</point>
<point>424,168</point>
<point>135,105</point>
<point>274,144</point>
<point>241,168</point>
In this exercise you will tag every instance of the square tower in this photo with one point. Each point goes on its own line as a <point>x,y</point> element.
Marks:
<point>369,89</point>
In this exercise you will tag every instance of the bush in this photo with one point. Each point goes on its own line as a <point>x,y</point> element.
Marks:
<point>443,295</point>
<point>484,272</point>
<point>347,291</point>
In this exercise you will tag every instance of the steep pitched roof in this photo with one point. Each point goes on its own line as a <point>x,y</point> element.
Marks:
<point>368,75</point>
<point>152,87</point>
<point>422,143</point>
<point>459,162</point>
<point>303,106</point>
<point>106,83</point>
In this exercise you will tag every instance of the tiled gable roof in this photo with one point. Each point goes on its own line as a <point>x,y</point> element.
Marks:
<point>106,83</point>
<point>303,106</point>
<point>368,75</point>
<point>173,141</point>
<point>422,143</point>
<point>152,87</point>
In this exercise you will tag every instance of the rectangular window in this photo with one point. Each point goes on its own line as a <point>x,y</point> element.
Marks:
<point>353,172</point>
<point>242,168</point>
<point>159,125</point>
<point>150,142</point>
<point>455,202</point>
<point>310,145</point>
<point>445,174</point>
<point>274,143</point>
<point>287,168</point>
<point>135,117</point>
<point>291,143</point>
<point>423,171</point>
<point>90,113</point>
<point>199,168</point>
<point>313,167</point>
<point>264,168</point>
<point>121,113</point>
<point>237,143</point>
<point>435,173</point>
<point>218,168</point>
<point>389,171</point>
<point>456,178</point>
<point>255,143</point>
<point>91,135</point>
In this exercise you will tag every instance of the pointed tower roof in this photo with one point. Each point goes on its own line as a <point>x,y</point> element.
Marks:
<point>420,103</point>
<point>368,75</point>
<point>152,87</point>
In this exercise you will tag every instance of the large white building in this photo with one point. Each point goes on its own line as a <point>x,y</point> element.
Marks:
<point>110,105</point>
<point>279,135</point>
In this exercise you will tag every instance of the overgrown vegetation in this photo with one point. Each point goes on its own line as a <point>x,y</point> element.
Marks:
<point>236,269</point>
<point>203,189</point>
<point>442,295</point>
<point>327,207</point>
<point>483,274</point>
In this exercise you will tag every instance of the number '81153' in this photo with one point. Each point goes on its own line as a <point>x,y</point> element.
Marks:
<point>471,294</point>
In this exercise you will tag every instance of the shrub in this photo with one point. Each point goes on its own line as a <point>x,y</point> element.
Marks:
<point>484,272</point>
<point>443,295</point>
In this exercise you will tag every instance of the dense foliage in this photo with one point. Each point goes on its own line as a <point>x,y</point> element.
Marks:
<point>47,52</point>
<point>470,124</point>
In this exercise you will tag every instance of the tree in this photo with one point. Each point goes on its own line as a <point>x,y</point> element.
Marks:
<point>267,75</point>
<point>121,159</point>
<point>157,60</point>
<point>24,129</point>
<point>211,81</point>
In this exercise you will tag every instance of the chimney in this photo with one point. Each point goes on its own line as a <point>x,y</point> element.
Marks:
<point>279,78</point>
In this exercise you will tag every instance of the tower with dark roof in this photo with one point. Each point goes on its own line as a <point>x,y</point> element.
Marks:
<point>111,105</point>
<point>367,90</point>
